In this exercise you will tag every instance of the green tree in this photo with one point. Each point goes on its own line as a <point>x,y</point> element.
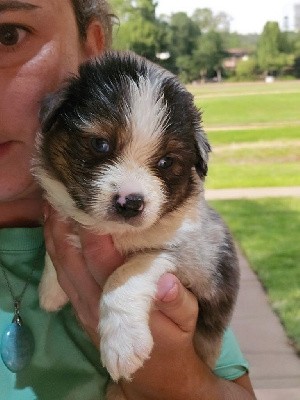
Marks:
<point>179,37</point>
<point>139,29</point>
<point>147,9</point>
<point>164,41</point>
<point>208,21</point>
<point>210,53</point>
<point>188,68</point>
<point>184,33</point>
<point>297,67</point>
<point>271,55</point>
<point>296,51</point>
<point>296,43</point>
<point>121,8</point>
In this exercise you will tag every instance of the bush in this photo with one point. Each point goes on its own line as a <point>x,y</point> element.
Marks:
<point>247,69</point>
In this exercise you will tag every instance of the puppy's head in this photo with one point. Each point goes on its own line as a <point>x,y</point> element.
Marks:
<point>121,144</point>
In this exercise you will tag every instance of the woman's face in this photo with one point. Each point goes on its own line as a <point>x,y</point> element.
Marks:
<point>39,47</point>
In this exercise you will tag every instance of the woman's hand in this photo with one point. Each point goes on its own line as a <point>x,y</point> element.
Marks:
<point>82,272</point>
<point>174,370</point>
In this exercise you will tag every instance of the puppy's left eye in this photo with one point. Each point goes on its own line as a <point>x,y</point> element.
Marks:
<point>165,162</point>
<point>100,145</point>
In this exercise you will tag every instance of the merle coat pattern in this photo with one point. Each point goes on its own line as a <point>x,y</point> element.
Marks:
<point>122,151</point>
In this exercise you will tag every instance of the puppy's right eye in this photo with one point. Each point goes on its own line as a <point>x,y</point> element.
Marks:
<point>165,162</point>
<point>100,145</point>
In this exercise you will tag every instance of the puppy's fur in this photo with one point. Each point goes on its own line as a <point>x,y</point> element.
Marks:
<point>122,152</point>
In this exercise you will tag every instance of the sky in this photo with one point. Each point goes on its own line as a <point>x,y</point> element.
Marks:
<point>247,16</point>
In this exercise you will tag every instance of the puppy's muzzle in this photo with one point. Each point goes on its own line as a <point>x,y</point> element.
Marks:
<point>129,206</point>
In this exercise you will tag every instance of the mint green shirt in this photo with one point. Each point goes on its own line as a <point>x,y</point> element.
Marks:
<point>65,364</point>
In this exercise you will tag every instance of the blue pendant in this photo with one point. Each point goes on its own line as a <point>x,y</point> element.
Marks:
<point>17,345</point>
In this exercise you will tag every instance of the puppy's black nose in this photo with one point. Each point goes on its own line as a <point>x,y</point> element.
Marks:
<point>130,205</point>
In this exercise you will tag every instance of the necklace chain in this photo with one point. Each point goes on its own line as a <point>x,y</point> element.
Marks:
<point>16,299</point>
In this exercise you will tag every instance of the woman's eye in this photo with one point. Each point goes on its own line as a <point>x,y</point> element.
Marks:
<point>165,162</point>
<point>100,145</point>
<point>11,35</point>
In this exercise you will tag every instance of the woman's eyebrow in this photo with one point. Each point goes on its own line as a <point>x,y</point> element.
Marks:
<point>14,5</point>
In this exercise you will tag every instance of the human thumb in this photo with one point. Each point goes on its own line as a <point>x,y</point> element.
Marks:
<point>176,302</point>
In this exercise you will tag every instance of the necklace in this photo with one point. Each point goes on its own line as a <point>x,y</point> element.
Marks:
<point>17,344</point>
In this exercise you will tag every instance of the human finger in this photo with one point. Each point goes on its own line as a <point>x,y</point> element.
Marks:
<point>72,273</point>
<point>67,258</point>
<point>100,254</point>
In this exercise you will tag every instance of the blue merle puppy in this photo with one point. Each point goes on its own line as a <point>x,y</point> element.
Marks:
<point>122,151</point>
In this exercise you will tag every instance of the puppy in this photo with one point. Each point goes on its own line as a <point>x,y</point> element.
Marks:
<point>122,152</point>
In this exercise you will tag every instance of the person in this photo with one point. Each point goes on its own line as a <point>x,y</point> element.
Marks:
<point>41,43</point>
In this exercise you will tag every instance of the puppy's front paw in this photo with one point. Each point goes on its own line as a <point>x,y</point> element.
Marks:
<point>52,297</point>
<point>126,340</point>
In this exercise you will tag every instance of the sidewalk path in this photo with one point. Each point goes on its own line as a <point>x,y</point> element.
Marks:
<point>274,365</point>
<point>252,193</point>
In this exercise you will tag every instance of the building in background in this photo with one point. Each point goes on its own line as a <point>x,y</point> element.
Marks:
<point>233,57</point>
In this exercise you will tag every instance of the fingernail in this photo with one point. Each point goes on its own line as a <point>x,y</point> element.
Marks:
<point>167,288</point>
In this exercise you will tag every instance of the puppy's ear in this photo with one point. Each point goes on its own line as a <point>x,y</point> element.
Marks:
<point>202,151</point>
<point>50,109</point>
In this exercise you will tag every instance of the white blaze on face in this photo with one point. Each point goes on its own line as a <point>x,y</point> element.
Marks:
<point>147,116</point>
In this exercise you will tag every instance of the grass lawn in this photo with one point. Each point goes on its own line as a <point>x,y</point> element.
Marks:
<point>233,89</point>
<point>268,231</point>
<point>251,109</point>
<point>222,137</point>
<point>248,103</point>
<point>255,164</point>
<point>223,175</point>
<point>254,129</point>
